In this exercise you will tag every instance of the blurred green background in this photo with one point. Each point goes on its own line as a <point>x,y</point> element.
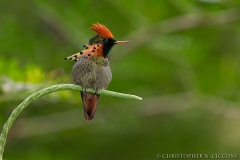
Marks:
<point>183,60</point>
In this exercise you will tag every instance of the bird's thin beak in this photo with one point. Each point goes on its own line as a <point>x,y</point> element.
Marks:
<point>120,42</point>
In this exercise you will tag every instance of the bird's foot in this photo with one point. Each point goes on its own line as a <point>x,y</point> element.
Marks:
<point>96,91</point>
<point>84,89</point>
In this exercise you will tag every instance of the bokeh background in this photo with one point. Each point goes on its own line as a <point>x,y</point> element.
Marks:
<point>183,59</point>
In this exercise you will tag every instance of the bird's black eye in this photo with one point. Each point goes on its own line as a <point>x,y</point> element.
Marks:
<point>104,40</point>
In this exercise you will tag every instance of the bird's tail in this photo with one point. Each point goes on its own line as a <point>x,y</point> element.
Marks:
<point>90,101</point>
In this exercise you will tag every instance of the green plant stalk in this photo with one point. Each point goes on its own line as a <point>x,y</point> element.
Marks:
<point>46,91</point>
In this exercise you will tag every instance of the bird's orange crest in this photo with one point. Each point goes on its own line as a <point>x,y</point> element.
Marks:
<point>101,30</point>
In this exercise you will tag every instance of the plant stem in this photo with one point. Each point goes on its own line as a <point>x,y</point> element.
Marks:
<point>46,91</point>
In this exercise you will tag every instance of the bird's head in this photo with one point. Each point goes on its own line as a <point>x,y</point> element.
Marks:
<point>99,45</point>
<point>104,38</point>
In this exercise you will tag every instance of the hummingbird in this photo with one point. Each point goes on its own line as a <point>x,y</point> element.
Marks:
<point>91,69</point>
